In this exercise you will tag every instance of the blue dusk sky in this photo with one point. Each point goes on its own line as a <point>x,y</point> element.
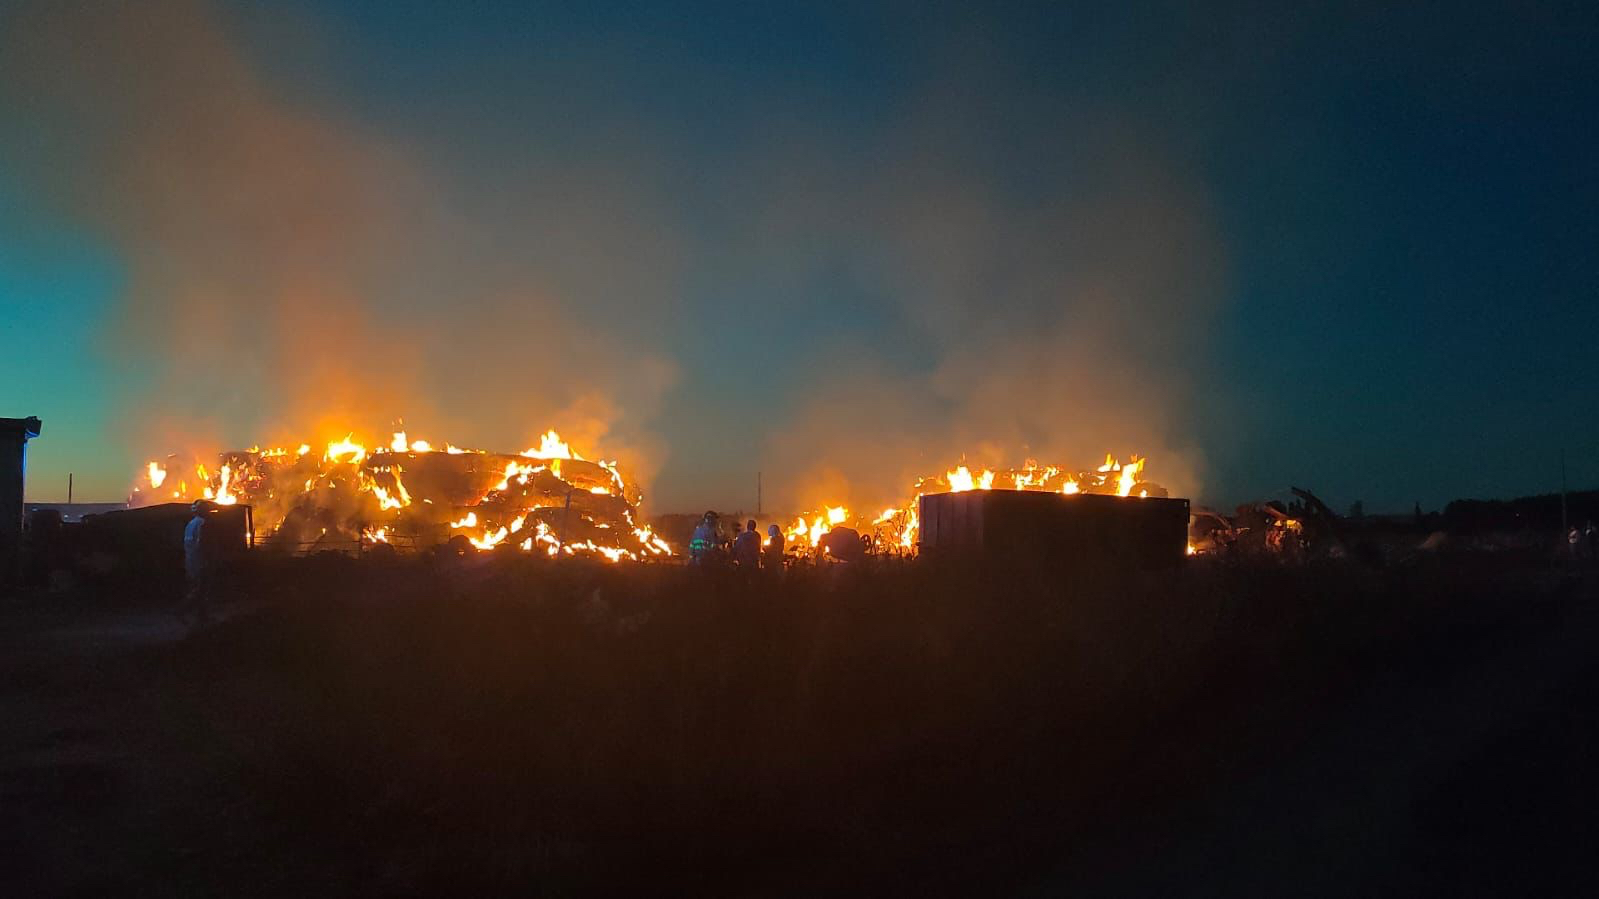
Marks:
<point>1343,246</point>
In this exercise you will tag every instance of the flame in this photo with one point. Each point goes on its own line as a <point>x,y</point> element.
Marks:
<point>907,538</point>
<point>896,529</point>
<point>811,532</point>
<point>363,491</point>
<point>518,471</point>
<point>648,538</point>
<point>224,496</point>
<point>337,452</point>
<point>490,540</point>
<point>960,480</point>
<point>616,475</point>
<point>1129,476</point>
<point>550,447</point>
<point>386,502</point>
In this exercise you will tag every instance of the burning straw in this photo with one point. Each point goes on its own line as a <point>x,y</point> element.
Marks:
<point>545,499</point>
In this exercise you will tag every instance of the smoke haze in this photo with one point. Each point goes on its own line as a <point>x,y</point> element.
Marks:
<point>844,313</point>
<point>289,275</point>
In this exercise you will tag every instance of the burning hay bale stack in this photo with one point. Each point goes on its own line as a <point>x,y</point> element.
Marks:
<point>545,499</point>
<point>896,530</point>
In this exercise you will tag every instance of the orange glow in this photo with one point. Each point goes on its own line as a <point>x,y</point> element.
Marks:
<point>896,529</point>
<point>224,495</point>
<point>346,450</point>
<point>550,447</point>
<point>364,491</point>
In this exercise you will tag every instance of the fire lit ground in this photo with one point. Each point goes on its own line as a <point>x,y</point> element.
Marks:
<point>491,724</point>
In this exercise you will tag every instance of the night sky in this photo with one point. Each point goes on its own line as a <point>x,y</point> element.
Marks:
<point>1341,246</point>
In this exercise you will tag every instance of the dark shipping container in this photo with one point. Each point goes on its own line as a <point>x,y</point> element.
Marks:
<point>1029,526</point>
<point>152,536</point>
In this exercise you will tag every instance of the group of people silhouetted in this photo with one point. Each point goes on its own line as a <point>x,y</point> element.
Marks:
<point>745,549</point>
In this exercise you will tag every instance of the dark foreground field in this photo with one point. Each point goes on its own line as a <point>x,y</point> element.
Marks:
<point>392,728</point>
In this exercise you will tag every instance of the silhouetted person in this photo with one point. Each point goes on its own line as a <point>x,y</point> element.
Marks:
<point>199,561</point>
<point>704,540</point>
<point>774,548</point>
<point>747,548</point>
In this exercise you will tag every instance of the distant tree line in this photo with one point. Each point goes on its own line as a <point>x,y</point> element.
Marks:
<point>1539,513</point>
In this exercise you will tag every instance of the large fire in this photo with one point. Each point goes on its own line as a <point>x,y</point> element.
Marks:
<point>545,499</point>
<point>895,529</point>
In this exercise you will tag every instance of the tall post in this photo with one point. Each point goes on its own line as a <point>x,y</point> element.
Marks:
<point>1565,525</point>
<point>69,488</point>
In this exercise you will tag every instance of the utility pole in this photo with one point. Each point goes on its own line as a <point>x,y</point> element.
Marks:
<point>69,488</point>
<point>1565,527</point>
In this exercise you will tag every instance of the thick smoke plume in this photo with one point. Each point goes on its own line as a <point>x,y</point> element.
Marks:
<point>290,274</point>
<point>1060,320</point>
<point>1036,275</point>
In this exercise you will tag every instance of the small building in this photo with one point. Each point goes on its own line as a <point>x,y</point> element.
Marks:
<point>14,436</point>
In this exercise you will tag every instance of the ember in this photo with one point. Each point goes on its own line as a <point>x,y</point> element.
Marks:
<point>546,498</point>
<point>895,529</point>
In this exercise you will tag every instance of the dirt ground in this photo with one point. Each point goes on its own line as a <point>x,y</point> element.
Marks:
<point>395,728</point>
